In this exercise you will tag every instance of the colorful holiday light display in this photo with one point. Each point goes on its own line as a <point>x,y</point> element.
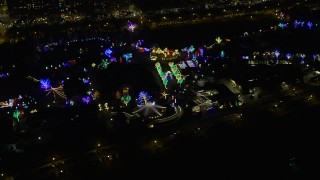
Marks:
<point>85,81</point>
<point>4,75</point>
<point>218,40</point>
<point>4,104</point>
<point>86,99</point>
<point>282,25</point>
<point>126,99</point>
<point>51,45</point>
<point>147,108</point>
<point>65,64</point>
<point>302,56</point>
<point>70,102</point>
<point>45,83</point>
<point>164,94</point>
<point>190,49</point>
<point>164,54</point>
<point>104,64</point>
<point>176,72</point>
<point>96,95</point>
<point>222,54</point>
<point>201,52</point>
<point>143,98</point>
<point>16,115</point>
<point>310,24</point>
<point>56,91</point>
<point>128,57</point>
<point>277,53</point>
<point>295,24</point>
<point>24,102</point>
<point>162,74</point>
<point>288,55</point>
<point>131,26</point>
<point>108,53</point>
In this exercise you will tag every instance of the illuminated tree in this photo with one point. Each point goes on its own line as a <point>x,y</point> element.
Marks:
<point>106,106</point>
<point>86,99</point>
<point>104,64</point>
<point>277,54</point>
<point>201,51</point>
<point>17,119</point>
<point>164,94</point>
<point>113,59</point>
<point>45,83</point>
<point>176,52</point>
<point>159,51</point>
<point>16,115</point>
<point>191,49</point>
<point>302,56</point>
<point>295,24</point>
<point>131,26</point>
<point>108,52</point>
<point>315,56</point>
<point>218,40</point>
<point>143,97</point>
<point>310,24</point>
<point>288,55</point>
<point>222,54</point>
<point>126,99</point>
<point>85,81</point>
<point>96,95</point>
<point>128,57</point>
